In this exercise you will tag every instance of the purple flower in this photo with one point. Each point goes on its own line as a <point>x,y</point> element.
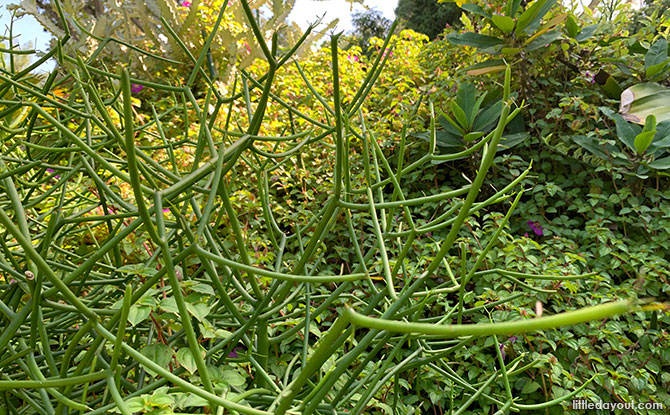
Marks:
<point>51,171</point>
<point>591,76</point>
<point>535,227</point>
<point>511,340</point>
<point>234,354</point>
<point>134,88</point>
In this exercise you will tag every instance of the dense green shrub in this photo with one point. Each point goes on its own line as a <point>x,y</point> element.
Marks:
<point>233,230</point>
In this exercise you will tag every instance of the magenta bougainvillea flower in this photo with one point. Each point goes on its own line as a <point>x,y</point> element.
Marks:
<point>535,227</point>
<point>134,88</point>
<point>186,3</point>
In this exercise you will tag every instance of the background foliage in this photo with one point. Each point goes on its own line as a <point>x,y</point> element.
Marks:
<point>579,213</point>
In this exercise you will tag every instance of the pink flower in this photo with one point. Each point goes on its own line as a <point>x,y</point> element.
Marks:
<point>56,176</point>
<point>134,88</point>
<point>535,227</point>
<point>186,3</point>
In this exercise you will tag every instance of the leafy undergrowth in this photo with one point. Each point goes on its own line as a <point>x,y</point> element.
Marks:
<point>224,252</point>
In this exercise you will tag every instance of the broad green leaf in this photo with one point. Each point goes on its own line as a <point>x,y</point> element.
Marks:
<point>138,313</point>
<point>504,23</point>
<point>488,117</point>
<point>511,7</point>
<point>592,145</point>
<point>169,305</point>
<point>466,98</point>
<point>545,40</point>
<point>641,100</point>
<point>608,84</point>
<point>546,27</point>
<point>159,354</point>
<point>489,66</point>
<point>198,310</point>
<point>450,125</point>
<point>194,400</point>
<point>203,288</point>
<point>474,39</point>
<point>657,55</point>
<point>532,16</point>
<point>511,140</point>
<point>186,359</point>
<point>135,404</point>
<point>571,26</point>
<point>459,114</point>
<point>654,70</point>
<point>643,140</point>
<point>233,378</point>
<point>475,9</point>
<point>660,164</point>
<point>625,131</point>
<point>649,124</point>
<point>586,33</point>
<point>530,387</point>
<point>475,111</point>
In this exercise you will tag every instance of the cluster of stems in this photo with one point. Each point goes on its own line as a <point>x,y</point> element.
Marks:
<point>66,345</point>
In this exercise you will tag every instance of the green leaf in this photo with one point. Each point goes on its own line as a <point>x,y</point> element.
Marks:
<point>475,9</point>
<point>504,23</point>
<point>474,39</point>
<point>472,136</point>
<point>135,404</point>
<point>186,359</point>
<point>593,146</point>
<point>233,378</point>
<point>544,40</point>
<point>137,269</point>
<point>654,70</point>
<point>649,124</point>
<point>487,119</point>
<point>194,400</point>
<point>571,26</point>
<point>169,305</point>
<point>138,313</point>
<point>489,66</point>
<point>530,387</point>
<point>660,164</point>
<point>466,100</point>
<point>159,354</point>
<point>656,56</point>
<point>643,140</point>
<point>459,114</point>
<point>586,33</point>
<point>531,17</point>
<point>511,7</point>
<point>450,125</point>
<point>198,310</point>
<point>625,131</point>
<point>641,100</point>
<point>203,288</point>
<point>511,140</point>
